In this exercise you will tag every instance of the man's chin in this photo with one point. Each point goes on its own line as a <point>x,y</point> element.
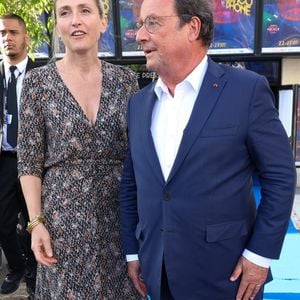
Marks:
<point>11,54</point>
<point>151,67</point>
<point>8,52</point>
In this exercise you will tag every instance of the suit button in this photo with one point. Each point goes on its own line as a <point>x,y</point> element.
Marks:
<point>167,196</point>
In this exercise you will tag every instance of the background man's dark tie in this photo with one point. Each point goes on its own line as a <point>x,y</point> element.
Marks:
<point>12,108</point>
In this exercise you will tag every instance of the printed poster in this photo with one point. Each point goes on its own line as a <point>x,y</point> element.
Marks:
<point>234,26</point>
<point>281,26</point>
<point>298,127</point>
<point>129,12</point>
<point>234,31</point>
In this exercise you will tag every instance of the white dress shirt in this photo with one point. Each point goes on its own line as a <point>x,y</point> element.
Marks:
<point>19,74</point>
<point>171,114</point>
<point>169,119</point>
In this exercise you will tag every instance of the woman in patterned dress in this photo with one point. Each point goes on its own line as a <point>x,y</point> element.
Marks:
<point>72,143</point>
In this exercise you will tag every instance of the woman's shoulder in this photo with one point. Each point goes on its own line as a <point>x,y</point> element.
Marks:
<point>41,71</point>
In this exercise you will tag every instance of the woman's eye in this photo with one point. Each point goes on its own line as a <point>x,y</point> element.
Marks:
<point>85,11</point>
<point>64,13</point>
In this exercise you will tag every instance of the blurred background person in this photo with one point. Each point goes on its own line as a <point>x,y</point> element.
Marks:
<point>14,41</point>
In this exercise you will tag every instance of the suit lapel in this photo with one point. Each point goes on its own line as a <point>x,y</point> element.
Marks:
<point>207,98</point>
<point>2,77</point>
<point>147,139</point>
<point>30,65</point>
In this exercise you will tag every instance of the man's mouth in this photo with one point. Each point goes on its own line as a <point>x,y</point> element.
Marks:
<point>8,46</point>
<point>148,51</point>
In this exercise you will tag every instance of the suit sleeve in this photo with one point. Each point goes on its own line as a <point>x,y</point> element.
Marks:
<point>128,201</point>
<point>270,149</point>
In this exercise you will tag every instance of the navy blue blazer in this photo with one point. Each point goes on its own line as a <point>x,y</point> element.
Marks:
<point>204,216</point>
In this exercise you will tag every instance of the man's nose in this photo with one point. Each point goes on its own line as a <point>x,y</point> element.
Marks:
<point>142,34</point>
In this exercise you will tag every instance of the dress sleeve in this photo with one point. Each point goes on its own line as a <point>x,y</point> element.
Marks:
<point>31,137</point>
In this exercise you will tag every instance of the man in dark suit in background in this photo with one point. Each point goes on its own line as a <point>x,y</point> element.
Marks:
<point>195,138</point>
<point>14,41</point>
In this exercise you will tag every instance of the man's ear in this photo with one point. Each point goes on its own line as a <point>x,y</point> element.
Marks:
<point>194,27</point>
<point>27,39</point>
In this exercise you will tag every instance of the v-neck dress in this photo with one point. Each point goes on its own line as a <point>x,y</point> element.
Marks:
<point>80,166</point>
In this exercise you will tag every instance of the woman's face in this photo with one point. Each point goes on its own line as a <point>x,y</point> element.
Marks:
<point>79,24</point>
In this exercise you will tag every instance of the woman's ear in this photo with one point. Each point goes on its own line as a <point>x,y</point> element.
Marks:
<point>104,22</point>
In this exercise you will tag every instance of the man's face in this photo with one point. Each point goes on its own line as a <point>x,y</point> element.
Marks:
<point>164,47</point>
<point>14,39</point>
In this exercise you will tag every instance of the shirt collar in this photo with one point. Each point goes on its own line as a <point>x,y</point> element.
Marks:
<point>21,66</point>
<point>194,79</point>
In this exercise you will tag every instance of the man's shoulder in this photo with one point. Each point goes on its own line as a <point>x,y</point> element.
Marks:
<point>1,68</point>
<point>2,76</point>
<point>33,64</point>
<point>146,90</point>
<point>238,71</point>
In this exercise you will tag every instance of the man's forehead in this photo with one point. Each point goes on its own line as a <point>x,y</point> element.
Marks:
<point>11,24</point>
<point>165,5</point>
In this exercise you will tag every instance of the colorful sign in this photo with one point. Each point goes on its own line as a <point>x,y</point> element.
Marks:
<point>129,12</point>
<point>297,131</point>
<point>281,26</point>
<point>234,27</point>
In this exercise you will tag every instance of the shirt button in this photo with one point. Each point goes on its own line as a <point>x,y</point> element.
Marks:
<point>167,196</point>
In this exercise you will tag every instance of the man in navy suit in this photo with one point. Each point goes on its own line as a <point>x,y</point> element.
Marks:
<point>196,136</point>
<point>14,41</point>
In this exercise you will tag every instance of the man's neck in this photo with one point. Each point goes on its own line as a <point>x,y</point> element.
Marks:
<point>14,60</point>
<point>180,70</point>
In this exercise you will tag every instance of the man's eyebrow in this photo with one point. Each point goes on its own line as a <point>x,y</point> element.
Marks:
<point>10,30</point>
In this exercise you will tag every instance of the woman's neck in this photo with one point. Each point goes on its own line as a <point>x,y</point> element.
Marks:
<point>80,64</point>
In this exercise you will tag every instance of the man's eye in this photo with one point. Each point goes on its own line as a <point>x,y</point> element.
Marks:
<point>152,22</point>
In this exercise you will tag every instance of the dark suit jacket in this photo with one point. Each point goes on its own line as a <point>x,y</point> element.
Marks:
<point>204,216</point>
<point>30,65</point>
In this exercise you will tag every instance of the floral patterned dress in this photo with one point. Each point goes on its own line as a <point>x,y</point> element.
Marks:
<point>80,167</point>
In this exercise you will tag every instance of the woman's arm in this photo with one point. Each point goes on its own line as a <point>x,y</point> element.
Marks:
<point>32,187</point>
<point>40,240</point>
